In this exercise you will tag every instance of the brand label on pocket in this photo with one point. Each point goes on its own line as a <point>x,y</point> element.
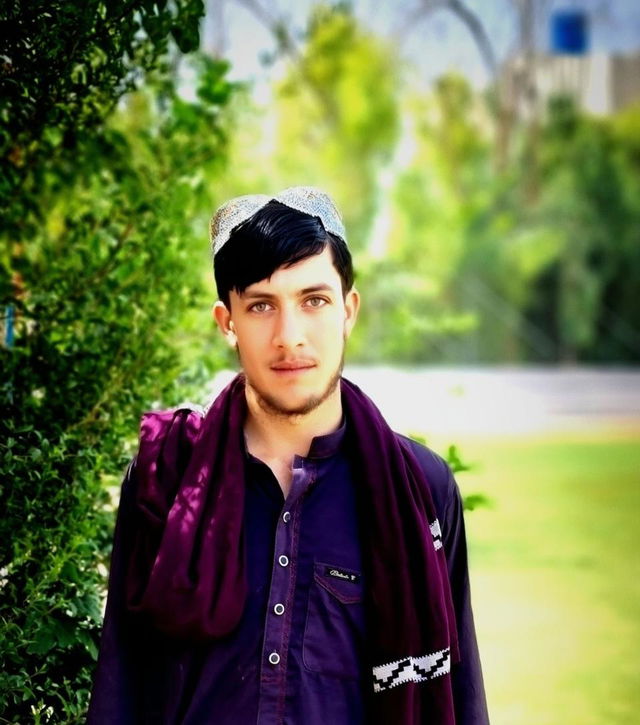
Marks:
<point>337,573</point>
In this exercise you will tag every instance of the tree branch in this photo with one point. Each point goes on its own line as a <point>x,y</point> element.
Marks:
<point>469,19</point>
<point>276,26</point>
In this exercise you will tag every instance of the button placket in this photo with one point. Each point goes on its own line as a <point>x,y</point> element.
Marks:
<point>279,610</point>
<point>276,638</point>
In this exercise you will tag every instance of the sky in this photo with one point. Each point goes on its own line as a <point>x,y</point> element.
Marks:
<point>437,43</point>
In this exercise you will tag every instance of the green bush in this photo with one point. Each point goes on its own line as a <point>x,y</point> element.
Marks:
<point>103,252</point>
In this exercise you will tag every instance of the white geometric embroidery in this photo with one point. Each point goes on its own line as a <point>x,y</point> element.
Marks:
<point>411,669</point>
<point>437,534</point>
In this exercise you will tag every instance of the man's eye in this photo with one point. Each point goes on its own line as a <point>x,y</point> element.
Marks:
<point>259,307</point>
<point>316,301</point>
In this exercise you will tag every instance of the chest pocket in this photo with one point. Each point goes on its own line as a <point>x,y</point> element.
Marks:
<point>334,632</point>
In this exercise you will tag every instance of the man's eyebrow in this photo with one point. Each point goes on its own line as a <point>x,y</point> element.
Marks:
<point>261,294</point>
<point>255,294</point>
<point>317,288</point>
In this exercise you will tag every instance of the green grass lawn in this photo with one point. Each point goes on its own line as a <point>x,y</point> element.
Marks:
<point>556,576</point>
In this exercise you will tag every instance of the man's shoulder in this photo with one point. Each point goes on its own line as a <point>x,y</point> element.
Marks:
<point>434,465</point>
<point>184,409</point>
<point>158,423</point>
<point>168,434</point>
<point>440,480</point>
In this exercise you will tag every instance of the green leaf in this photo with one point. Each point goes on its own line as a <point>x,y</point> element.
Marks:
<point>454,460</point>
<point>476,500</point>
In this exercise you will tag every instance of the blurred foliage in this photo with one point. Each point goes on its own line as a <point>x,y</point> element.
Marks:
<point>337,107</point>
<point>101,264</point>
<point>547,275</point>
<point>590,198</point>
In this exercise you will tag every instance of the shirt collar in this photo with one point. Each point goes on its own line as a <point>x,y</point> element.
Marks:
<point>326,445</point>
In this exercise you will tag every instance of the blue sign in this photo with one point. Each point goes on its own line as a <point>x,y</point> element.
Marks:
<point>569,32</point>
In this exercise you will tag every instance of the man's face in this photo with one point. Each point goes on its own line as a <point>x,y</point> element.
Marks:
<point>290,332</point>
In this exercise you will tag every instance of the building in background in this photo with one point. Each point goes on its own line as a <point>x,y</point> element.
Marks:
<point>600,82</point>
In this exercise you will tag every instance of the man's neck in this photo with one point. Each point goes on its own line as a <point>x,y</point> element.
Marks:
<point>276,439</point>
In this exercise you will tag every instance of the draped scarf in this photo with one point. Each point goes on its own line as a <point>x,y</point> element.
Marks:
<point>187,571</point>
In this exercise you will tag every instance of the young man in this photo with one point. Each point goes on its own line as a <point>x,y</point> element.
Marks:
<point>284,557</point>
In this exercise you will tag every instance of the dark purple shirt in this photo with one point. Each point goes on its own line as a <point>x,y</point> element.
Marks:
<point>298,655</point>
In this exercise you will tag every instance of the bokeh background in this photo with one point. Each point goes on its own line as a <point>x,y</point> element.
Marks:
<point>486,157</point>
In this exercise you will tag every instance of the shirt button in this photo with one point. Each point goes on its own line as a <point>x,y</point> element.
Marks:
<point>283,560</point>
<point>274,658</point>
<point>278,609</point>
<point>286,516</point>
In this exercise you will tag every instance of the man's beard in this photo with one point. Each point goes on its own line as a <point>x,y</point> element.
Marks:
<point>272,406</point>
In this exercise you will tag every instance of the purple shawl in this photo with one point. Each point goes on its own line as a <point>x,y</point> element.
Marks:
<point>187,566</point>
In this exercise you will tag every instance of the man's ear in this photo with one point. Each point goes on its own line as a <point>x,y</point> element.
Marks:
<point>351,307</point>
<point>222,316</point>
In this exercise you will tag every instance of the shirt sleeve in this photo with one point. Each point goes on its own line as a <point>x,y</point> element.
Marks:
<point>466,676</point>
<point>468,685</point>
<point>114,685</point>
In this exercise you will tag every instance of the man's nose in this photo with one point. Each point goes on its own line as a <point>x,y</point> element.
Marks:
<point>289,332</point>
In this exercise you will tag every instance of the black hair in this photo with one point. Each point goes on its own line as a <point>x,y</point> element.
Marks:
<point>275,236</point>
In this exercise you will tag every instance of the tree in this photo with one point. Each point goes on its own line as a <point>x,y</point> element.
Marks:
<point>590,200</point>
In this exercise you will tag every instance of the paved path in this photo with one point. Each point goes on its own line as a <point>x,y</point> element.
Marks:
<point>503,400</point>
<point>500,400</point>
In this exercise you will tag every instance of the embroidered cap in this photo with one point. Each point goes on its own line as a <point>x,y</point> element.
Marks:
<point>306,199</point>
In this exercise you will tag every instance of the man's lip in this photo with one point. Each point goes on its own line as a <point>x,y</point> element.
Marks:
<point>293,365</point>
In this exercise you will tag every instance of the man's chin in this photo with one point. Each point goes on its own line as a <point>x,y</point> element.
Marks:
<point>289,408</point>
<point>292,404</point>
